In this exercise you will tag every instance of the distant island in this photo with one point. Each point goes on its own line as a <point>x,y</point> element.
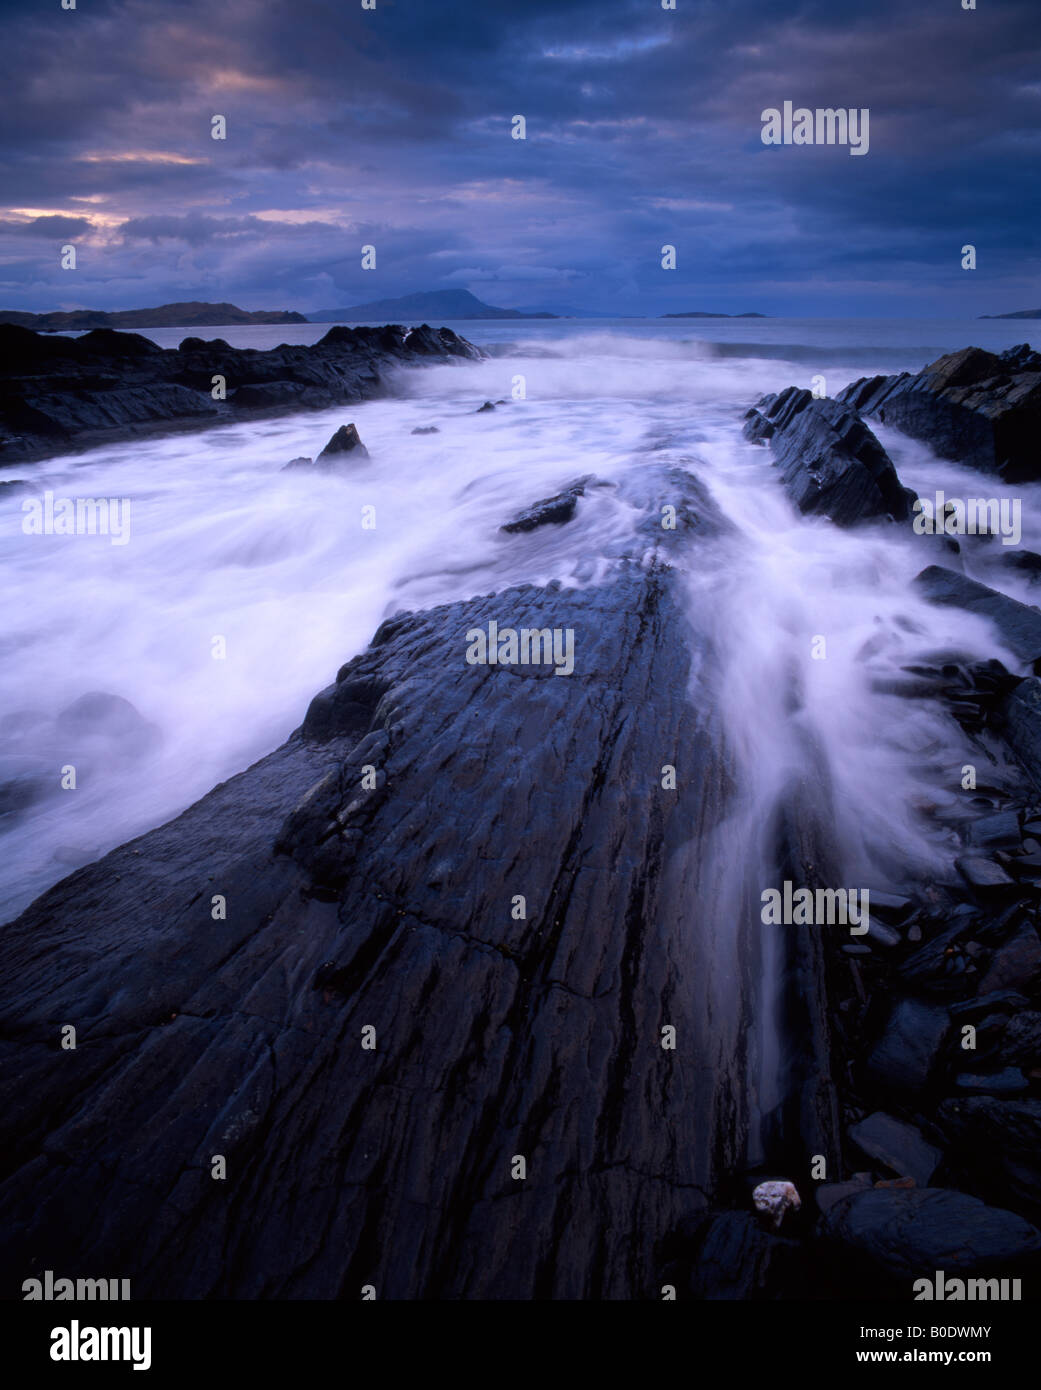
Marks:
<point>698,314</point>
<point>433,304</point>
<point>1022,314</point>
<point>193,314</point>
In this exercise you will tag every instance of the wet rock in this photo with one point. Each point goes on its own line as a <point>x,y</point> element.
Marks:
<point>831,464</point>
<point>1018,719</point>
<point>978,408</point>
<point>555,510</point>
<point>499,1032</point>
<point>897,1146</point>
<point>1015,965</point>
<point>482,408</point>
<point>425,429</point>
<point>101,717</point>
<point>909,1049</point>
<point>1019,626</point>
<point>56,395</point>
<point>986,876</point>
<point>900,1235</point>
<point>995,832</point>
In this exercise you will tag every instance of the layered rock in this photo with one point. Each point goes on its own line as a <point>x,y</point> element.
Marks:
<point>830,462</point>
<point>975,407</point>
<point>60,393</point>
<point>480,864</point>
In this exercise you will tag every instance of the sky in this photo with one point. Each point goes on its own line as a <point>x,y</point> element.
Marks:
<point>392,127</point>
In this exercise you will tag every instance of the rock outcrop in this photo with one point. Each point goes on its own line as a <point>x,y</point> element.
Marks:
<point>830,462</point>
<point>58,393</point>
<point>975,407</point>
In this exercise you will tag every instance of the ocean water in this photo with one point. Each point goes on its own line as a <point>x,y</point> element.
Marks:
<point>223,544</point>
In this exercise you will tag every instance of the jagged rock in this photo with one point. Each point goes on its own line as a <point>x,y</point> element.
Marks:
<point>1018,625</point>
<point>482,408</point>
<point>903,1234</point>
<point>62,393</point>
<point>555,510</point>
<point>975,407</point>
<point>897,1146</point>
<point>910,1047</point>
<point>831,464</point>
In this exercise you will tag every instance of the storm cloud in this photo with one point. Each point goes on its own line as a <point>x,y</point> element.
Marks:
<point>392,127</point>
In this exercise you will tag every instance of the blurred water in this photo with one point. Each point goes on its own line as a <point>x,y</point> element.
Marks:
<point>223,544</point>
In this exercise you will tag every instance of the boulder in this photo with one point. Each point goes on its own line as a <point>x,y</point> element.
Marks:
<point>975,407</point>
<point>900,1235</point>
<point>897,1146</point>
<point>910,1046</point>
<point>1018,625</point>
<point>831,464</point>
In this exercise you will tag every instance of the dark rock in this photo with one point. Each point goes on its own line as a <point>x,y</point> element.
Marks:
<point>902,1235</point>
<point>482,408</point>
<point>907,1053</point>
<point>1019,626</point>
<point>426,429</point>
<point>829,1193</point>
<point>997,1143</point>
<point>831,464</point>
<point>102,718</point>
<point>1021,1040</point>
<point>897,1146</point>
<point>986,876</point>
<point>972,406</point>
<point>1009,1081</point>
<point>497,1034</point>
<point>1018,718</point>
<point>1016,964</point>
<point>1000,831</point>
<point>739,1260</point>
<point>1005,999</point>
<point>555,510</point>
<point>60,394</point>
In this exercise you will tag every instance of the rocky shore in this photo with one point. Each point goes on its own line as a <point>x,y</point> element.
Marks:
<point>61,394</point>
<point>427,999</point>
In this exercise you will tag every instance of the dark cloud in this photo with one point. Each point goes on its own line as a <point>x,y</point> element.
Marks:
<point>392,126</point>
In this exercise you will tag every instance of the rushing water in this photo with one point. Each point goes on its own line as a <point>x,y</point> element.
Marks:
<point>223,544</point>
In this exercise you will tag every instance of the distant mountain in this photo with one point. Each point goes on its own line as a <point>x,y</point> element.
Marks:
<point>1022,314</point>
<point>697,314</point>
<point>433,304</point>
<point>193,314</point>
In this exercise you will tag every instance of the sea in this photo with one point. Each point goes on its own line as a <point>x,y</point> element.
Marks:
<point>242,588</point>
